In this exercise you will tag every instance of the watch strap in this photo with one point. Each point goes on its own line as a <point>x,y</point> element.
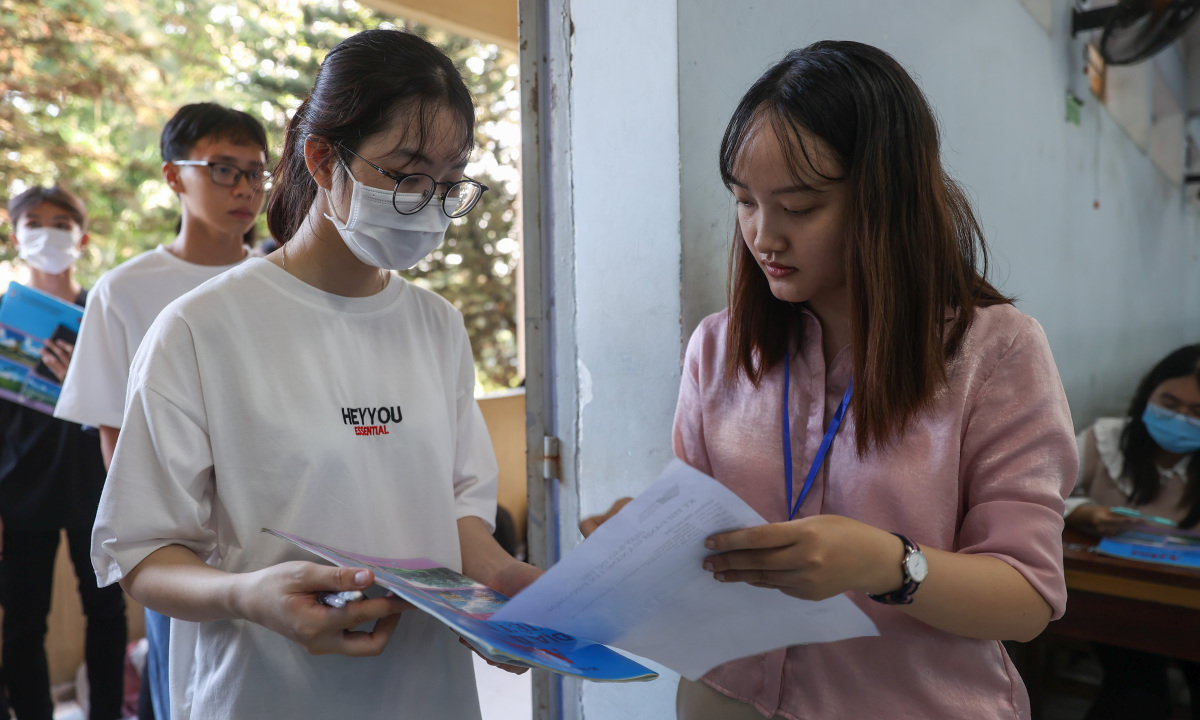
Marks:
<point>903,596</point>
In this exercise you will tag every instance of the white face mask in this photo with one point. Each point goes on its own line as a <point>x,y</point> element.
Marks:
<point>50,250</point>
<point>382,237</point>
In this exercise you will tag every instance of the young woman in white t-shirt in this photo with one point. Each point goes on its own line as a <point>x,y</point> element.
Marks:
<point>246,405</point>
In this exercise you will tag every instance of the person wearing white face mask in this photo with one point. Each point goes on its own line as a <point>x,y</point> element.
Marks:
<point>396,229</point>
<point>49,250</point>
<point>316,392</point>
<point>51,476</point>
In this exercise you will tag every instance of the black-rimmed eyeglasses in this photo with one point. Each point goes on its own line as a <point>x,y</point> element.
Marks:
<point>227,175</point>
<point>414,191</point>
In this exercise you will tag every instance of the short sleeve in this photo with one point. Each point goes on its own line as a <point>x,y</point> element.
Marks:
<point>93,391</point>
<point>160,485</point>
<point>476,473</point>
<point>688,430</point>
<point>1019,462</point>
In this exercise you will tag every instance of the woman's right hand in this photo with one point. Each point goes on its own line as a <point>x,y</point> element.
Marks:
<point>1100,520</point>
<point>284,598</point>
<point>588,525</point>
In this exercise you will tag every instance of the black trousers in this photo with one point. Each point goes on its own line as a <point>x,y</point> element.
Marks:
<point>28,569</point>
<point>1135,685</point>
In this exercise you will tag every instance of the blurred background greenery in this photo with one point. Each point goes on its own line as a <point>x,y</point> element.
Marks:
<point>86,86</point>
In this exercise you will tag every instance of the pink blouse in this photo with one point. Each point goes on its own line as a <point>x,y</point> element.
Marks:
<point>984,471</point>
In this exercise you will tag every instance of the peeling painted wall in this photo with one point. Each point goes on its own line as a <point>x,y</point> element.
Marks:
<point>625,169</point>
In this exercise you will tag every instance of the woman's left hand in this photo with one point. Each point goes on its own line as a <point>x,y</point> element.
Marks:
<point>811,558</point>
<point>57,356</point>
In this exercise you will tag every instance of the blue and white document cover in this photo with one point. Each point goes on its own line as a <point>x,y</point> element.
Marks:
<point>1180,549</point>
<point>636,584</point>
<point>28,318</point>
<point>467,607</point>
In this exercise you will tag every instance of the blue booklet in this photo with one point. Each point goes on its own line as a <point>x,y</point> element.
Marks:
<point>28,318</point>
<point>1180,551</point>
<point>466,607</point>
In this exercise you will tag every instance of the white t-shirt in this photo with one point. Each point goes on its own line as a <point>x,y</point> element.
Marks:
<point>119,311</point>
<point>260,401</point>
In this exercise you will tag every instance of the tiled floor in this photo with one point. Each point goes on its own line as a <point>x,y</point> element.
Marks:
<point>69,711</point>
<point>1076,675</point>
<point>1067,694</point>
<point>502,695</point>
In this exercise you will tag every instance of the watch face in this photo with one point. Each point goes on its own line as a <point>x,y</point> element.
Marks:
<point>917,566</point>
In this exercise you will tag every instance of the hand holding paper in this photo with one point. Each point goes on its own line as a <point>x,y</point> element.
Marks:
<point>812,558</point>
<point>637,583</point>
<point>467,606</point>
<point>284,598</point>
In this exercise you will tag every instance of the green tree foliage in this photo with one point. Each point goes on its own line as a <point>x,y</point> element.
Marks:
<point>86,86</point>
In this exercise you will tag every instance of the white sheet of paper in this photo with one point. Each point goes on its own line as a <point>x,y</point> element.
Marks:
<point>637,584</point>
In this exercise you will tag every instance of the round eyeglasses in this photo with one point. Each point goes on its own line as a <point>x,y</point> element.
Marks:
<point>227,175</point>
<point>414,191</point>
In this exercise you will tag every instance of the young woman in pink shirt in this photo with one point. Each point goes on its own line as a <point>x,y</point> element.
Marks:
<point>931,488</point>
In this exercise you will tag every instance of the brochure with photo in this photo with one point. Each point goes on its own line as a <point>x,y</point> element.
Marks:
<point>637,583</point>
<point>28,318</point>
<point>467,606</point>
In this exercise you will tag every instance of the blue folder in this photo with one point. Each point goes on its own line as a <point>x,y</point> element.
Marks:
<point>1146,549</point>
<point>28,318</point>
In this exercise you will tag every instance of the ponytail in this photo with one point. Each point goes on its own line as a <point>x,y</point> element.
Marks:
<point>295,188</point>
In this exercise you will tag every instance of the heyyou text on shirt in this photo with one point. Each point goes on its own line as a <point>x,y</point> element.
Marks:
<point>371,420</point>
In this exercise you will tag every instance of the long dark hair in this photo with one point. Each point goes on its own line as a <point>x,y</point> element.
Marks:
<point>1140,450</point>
<point>912,246</point>
<point>365,83</point>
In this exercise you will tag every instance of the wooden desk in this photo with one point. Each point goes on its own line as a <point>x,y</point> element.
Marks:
<point>1143,606</point>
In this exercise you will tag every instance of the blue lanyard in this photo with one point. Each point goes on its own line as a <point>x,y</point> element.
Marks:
<point>787,440</point>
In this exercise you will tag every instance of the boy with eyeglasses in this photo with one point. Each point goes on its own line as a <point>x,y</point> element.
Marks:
<point>214,159</point>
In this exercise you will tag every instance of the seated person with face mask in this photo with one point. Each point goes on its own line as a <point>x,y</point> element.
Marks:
<point>51,477</point>
<point>1144,461</point>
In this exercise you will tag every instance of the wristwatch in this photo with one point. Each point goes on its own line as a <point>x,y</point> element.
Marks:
<point>915,567</point>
